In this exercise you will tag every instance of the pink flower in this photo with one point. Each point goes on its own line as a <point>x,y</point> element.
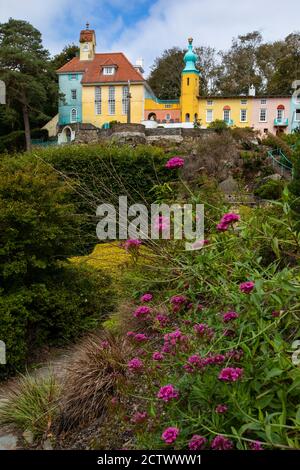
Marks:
<point>197,442</point>
<point>228,316</point>
<point>247,286</point>
<point>255,445</point>
<point>229,218</point>
<point>146,297</point>
<point>202,329</point>
<point>162,223</point>
<point>230,374</point>
<point>167,392</point>
<point>175,162</point>
<point>140,337</point>
<point>276,313</point>
<point>135,364</point>
<point>162,319</point>
<point>174,337</point>
<point>132,243</point>
<point>221,443</point>
<point>221,409</point>
<point>142,311</point>
<point>235,354</point>
<point>170,435</point>
<point>199,244</point>
<point>178,299</point>
<point>222,227</point>
<point>104,344</point>
<point>139,417</point>
<point>157,356</point>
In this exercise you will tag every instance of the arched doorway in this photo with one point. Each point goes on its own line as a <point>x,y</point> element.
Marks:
<point>187,117</point>
<point>151,117</point>
<point>66,135</point>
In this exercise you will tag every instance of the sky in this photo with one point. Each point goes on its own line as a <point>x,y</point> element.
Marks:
<point>144,28</point>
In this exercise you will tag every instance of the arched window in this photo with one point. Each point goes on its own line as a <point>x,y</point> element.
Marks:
<point>74,115</point>
<point>187,117</point>
<point>152,117</point>
<point>168,117</point>
<point>195,116</point>
<point>226,114</point>
<point>188,81</point>
<point>280,112</point>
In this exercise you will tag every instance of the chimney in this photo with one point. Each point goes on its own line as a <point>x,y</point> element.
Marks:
<point>252,91</point>
<point>139,65</point>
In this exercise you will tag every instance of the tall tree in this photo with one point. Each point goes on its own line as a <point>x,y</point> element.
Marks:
<point>25,68</point>
<point>68,53</point>
<point>165,76</point>
<point>239,67</point>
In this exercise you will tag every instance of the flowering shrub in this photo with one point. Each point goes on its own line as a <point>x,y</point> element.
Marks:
<point>175,162</point>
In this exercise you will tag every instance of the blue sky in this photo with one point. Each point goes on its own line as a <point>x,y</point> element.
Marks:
<point>144,28</point>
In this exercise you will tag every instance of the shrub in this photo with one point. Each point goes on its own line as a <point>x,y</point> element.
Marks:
<point>43,297</point>
<point>276,142</point>
<point>218,126</point>
<point>31,404</point>
<point>270,190</point>
<point>100,363</point>
<point>40,134</point>
<point>13,142</point>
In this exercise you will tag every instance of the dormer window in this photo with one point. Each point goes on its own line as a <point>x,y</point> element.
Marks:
<point>109,70</point>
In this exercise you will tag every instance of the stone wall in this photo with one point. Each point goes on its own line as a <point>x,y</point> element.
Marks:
<point>134,134</point>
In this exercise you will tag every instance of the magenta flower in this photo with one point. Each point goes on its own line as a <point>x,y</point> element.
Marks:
<point>170,435</point>
<point>202,329</point>
<point>229,218</point>
<point>162,319</point>
<point>104,344</point>
<point>230,374</point>
<point>131,244</point>
<point>255,445</point>
<point>174,337</point>
<point>247,286</point>
<point>178,299</point>
<point>220,409</point>
<point>197,442</point>
<point>135,364</point>
<point>221,443</point>
<point>228,316</point>
<point>142,311</point>
<point>175,162</point>
<point>221,227</point>
<point>199,244</point>
<point>167,392</point>
<point>140,337</point>
<point>276,313</point>
<point>139,417</point>
<point>162,223</point>
<point>157,356</point>
<point>146,297</point>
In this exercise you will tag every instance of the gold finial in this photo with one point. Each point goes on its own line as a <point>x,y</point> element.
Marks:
<point>190,40</point>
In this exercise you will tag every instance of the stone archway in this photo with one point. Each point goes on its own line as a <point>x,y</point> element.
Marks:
<point>66,136</point>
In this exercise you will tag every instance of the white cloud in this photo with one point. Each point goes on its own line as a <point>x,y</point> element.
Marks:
<point>168,23</point>
<point>210,22</point>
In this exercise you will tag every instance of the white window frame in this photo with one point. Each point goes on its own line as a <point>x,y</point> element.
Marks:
<point>168,106</point>
<point>263,101</point>
<point>109,70</point>
<point>71,115</point>
<point>280,114</point>
<point>212,115</point>
<point>246,115</point>
<point>297,111</point>
<point>111,100</point>
<point>168,117</point>
<point>229,115</point>
<point>98,100</point>
<point>244,101</point>
<point>74,92</point>
<point>73,76</point>
<point>266,115</point>
<point>125,99</point>
<point>209,102</point>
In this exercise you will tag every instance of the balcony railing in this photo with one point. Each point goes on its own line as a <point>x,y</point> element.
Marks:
<point>229,122</point>
<point>281,122</point>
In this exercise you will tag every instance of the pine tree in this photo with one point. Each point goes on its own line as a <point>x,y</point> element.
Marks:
<point>26,69</point>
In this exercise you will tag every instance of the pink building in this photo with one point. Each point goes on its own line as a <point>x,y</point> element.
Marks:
<point>271,114</point>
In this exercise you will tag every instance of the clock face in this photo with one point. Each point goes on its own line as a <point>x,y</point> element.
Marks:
<point>86,47</point>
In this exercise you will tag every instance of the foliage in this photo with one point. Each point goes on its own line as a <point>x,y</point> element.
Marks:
<point>276,143</point>
<point>44,299</point>
<point>13,142</point>
<point>25,68</point>
<point>271,189</point>
<point>32,405</point>
<point>218,125</point>
<point>68,53</point>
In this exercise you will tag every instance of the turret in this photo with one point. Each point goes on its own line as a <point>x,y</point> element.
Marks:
<point>189,86</point>
<point>87,43</point>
